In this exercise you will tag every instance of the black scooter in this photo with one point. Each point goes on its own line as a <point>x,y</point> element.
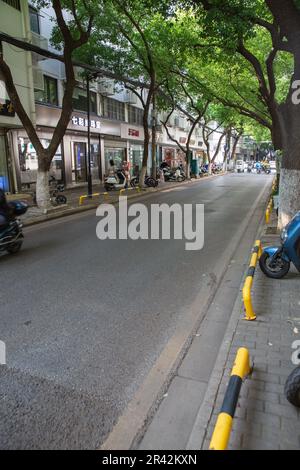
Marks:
<point>11,236</point>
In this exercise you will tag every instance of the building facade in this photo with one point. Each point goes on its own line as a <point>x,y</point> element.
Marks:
<point>116,115</point>
<point>14,20</point>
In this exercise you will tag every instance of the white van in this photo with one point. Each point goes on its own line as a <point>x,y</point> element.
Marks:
<point>240,166</point>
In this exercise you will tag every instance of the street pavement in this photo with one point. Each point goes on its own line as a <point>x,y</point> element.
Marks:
<point>84,321</point>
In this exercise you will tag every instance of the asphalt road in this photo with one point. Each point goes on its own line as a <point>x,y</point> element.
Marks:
<point>84,320</point>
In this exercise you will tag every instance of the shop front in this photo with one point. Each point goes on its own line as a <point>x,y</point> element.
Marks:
<point>173,156</point>
<point>115,151</point>
<point>134,136</point>
<point>28,160</point>
<point>70,162</point>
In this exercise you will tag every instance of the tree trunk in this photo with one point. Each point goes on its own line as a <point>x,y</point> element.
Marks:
<point>209,168</point>
<point>146,146</point>
<point>188,164</point>
<point>289,188</point>
<point>142,176</point>
<point>153,138</point>
<point>146,133</point>
<point>289,195</point>
<point>42,189</point>
<point>145,154</point>
<point>153,152</point>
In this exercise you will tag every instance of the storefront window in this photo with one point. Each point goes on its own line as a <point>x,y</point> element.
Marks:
<point>80,100</point>
<point>169,155</point>
<point>136,159</point>
<point>95,157</point>
<point>115,154</point>
<point>4,180</point>
<point>49,95</point>
<point>29,161</point>
<point>79,168</point>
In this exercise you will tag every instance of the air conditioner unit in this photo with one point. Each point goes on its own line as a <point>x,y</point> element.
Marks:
<point>39,41</point>
<point>106,87</point>
<point>38,78</point>
<point>130,97</point>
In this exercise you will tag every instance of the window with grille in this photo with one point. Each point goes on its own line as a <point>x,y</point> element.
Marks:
<point>135,115</point>
<point>80,100</point>
<point>113,109</point>
<point>34,20</point>
<point>49,95</point>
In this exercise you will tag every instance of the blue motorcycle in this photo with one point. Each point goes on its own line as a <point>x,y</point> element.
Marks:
<point>275,261</point>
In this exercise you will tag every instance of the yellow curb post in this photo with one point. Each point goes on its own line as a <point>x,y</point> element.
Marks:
<point>256,254</point>
<point>241,369</point>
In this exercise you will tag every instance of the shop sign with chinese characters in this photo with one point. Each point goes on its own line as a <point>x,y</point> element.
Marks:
<point>82,122</point>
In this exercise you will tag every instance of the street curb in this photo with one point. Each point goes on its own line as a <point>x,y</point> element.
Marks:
<point>80,209</point>
<point>204,415</point>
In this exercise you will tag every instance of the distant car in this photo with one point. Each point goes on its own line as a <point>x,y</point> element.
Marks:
<point>240,166</point>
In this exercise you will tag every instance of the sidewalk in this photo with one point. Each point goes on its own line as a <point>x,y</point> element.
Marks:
<point>264,419</point>
<point>34,215</point>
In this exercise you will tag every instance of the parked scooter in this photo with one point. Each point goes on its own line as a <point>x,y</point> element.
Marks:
<point>249,168</point>
<point>115,182</point>
<point>149,181</point>
<point>55,190</point>
<point>275,260</point>
<point>176,174</point>
<point>11,236</point>
<point>292,387</point>
<point>203,170</point>
<point>266,168</point>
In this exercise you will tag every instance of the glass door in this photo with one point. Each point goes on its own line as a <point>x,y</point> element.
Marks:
<point>79,169</point>
<point>95,158</point>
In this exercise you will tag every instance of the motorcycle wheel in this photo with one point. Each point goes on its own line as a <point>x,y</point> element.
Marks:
<point>60,199</point>
<point>278,271</point>
<point>292,387</point>
<point>151,182</point>
<point>134,182</point>
<point>15,247</point>
<point>109,187</point>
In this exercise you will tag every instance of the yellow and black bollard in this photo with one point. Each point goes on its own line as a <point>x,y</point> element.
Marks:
<point>256,254</point>
<point>240,370</point>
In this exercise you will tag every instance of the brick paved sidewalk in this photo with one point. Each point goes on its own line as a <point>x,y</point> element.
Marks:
<point>264,419</point>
